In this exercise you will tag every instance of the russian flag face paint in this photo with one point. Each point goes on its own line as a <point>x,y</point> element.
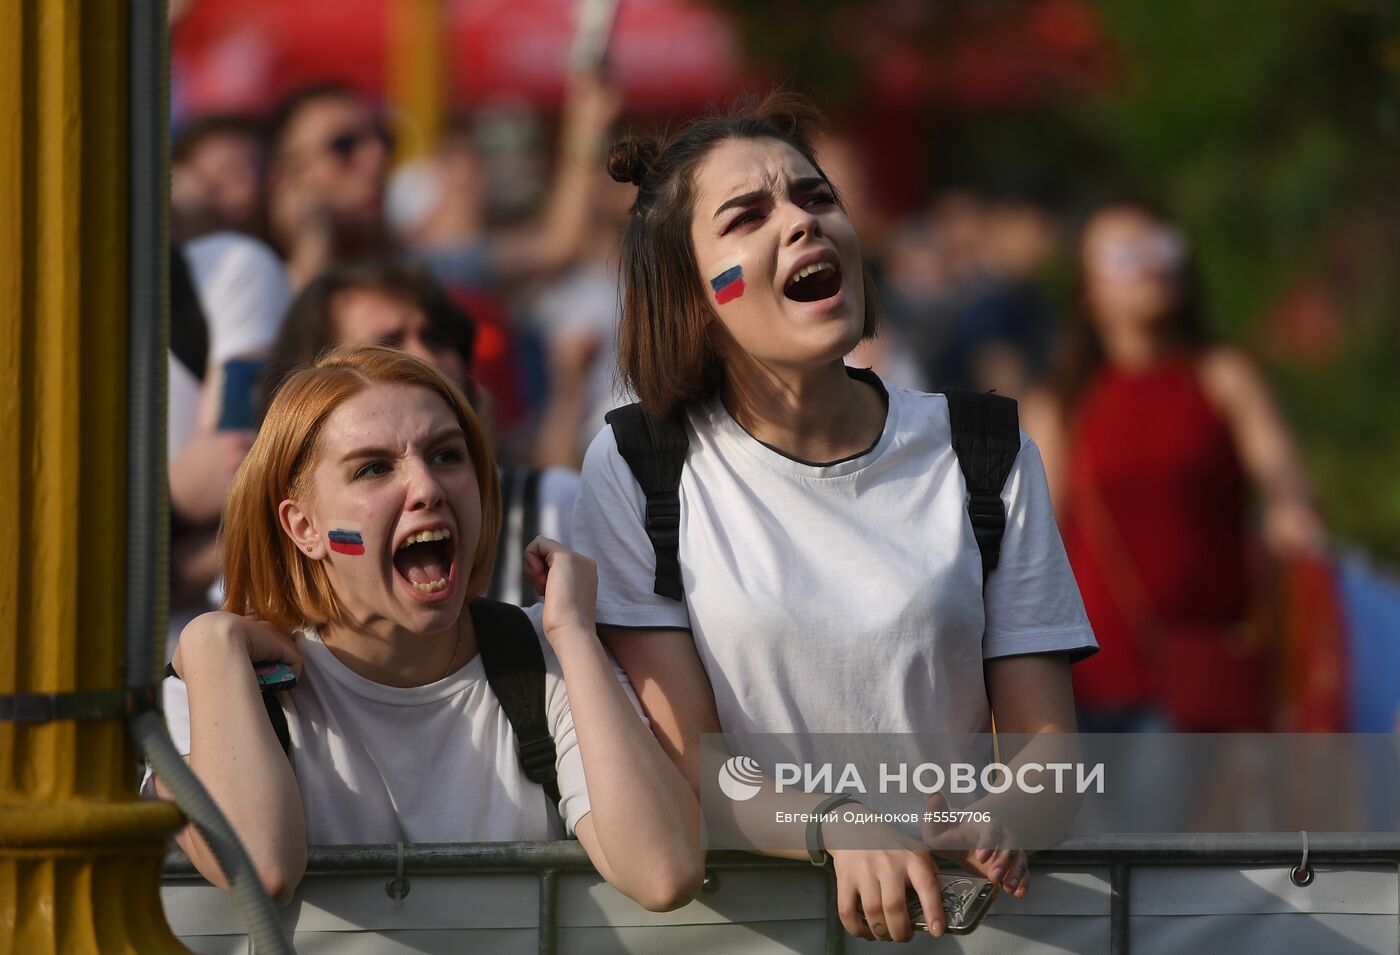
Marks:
<point>345,538</point>
<point>728,285</point>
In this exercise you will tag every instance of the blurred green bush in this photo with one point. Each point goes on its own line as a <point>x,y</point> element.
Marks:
<point>1272,130</point>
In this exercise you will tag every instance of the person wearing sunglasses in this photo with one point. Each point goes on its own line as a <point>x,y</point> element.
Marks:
<point>328,163</point>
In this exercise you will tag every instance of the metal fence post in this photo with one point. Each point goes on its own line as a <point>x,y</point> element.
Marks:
<point>1119,876</point>
<point>835,931</point>
<point>549,911</point>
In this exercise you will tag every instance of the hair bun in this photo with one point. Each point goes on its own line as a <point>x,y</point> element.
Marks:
<point>632,160</point>
<point>792,112</point>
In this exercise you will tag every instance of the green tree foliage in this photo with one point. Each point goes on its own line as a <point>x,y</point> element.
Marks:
<point>1260,124</point>
<point>1272,131</point>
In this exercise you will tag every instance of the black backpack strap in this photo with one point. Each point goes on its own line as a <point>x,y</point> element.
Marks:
<point>986,438</point>
<point>655,452</point>
<point>514,664</point>
<point>189,328</point>
<point>278,718</point>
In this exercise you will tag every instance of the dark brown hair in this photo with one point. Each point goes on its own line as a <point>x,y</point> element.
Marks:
<point>185,143</point>
<point>665,351</point>
<point>1081,352</point>
<point>282,118</point>
<point>309,329</point>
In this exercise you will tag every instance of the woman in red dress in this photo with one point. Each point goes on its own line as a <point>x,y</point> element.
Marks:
<point>1155,441</point>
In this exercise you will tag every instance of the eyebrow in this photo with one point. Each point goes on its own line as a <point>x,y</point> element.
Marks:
<point>435,438</point>
<point>798,185</point>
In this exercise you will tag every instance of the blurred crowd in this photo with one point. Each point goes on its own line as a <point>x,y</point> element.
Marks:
<point>494,257</point>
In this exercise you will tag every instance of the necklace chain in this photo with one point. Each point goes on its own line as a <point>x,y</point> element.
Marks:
<point>456,651</point>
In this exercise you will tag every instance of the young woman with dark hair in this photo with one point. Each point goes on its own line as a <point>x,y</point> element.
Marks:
<point>831,579</point>
<point>1154,439</point>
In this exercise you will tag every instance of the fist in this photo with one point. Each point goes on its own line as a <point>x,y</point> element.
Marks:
<point>569,583</point>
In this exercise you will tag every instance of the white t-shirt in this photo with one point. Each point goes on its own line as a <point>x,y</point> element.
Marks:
<point>434,763</point>
<point>243,291</point>
<point>844,598</point>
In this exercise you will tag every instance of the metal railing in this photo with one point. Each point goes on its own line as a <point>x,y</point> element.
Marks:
<point>1119,853</point>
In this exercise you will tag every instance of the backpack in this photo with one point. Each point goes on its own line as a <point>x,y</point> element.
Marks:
<point>514,664</point>
<point>986,438</point>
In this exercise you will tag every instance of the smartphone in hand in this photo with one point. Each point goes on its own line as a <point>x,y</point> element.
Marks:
<point>965,901</point>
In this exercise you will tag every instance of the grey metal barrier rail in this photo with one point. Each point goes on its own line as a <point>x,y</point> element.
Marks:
<point>1297,854</point>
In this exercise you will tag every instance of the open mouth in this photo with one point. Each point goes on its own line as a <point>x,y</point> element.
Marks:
<point>814,282</point>
<point>425,560</point>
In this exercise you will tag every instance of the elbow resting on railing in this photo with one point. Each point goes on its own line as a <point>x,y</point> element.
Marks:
<point>281,881</point>
<point>668,885</point>
<point>279,878</point>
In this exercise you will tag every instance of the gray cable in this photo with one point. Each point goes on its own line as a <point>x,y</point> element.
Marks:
<point>254,905</point>
<point>147,507</point>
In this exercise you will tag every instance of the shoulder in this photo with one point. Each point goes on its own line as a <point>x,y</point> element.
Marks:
<point>603,464</point>
<point>930,414</point>
<point>917,409</point>
<point>242,285</point>
<point>1231,379</point>
<point>601,450</point>
<point>605,453</point>
<point>227,256</point>
<point>1042,414</point>
<point>608,498</point>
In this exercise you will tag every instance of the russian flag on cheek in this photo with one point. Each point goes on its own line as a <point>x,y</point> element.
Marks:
<point>728,285</point>
<point>346,542</point>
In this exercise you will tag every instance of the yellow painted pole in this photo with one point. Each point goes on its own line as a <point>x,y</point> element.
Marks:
<point>416,80</point>
<point>80,856</point>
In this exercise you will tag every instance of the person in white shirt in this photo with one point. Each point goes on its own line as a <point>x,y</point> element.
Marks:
<point>358,529</point>
<point>830,579</point>
<point>227,296</point>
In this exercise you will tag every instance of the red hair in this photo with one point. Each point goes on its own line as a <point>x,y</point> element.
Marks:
<point>264,572</point>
